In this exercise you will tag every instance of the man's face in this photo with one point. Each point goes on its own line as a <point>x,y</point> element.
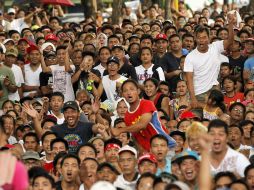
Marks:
<point>35,57</point>
<point>202,41</point>
<point>161,46</point>
<point>188,43</point>
<point>58,147</point>
<point>30,143</point>
<point>127,162</point>
<point>219,139</point>
<point>237,113</point>
<point>130,92</point>
<point>193,143</point>
<point>104,55</point>
<point>56,103</point>
<point>118,53</point>
<point>112,42</point>
<point>249,47</point>
<point>147,166</point>
<point>71,116</point>
<point>164,89</point>
<point>146,43</point>
<point>111,155</point>
<point>61,54</point>
<point>86,152</point>
<point>46,143</point>
<point>106,174</point>
<point>246,130</point>
<point>235,136</point>
<point>42,183</point>
<point>29,163</point>
<point>224,71</point>
<point>179,142</point>
<point>159,148</point>
<point>189,169</point>
<point>22,46</point>
<point>70,170</point>
<point>176,44</point>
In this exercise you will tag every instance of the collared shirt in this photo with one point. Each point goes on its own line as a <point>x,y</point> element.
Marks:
<point>166,169</point>
<point>126,185</point>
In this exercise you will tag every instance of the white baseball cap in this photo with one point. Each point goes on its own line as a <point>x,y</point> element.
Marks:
<point>11,10</point>
<point>128,148</point>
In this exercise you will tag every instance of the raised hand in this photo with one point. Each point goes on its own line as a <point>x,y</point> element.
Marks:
<point>29,110</point>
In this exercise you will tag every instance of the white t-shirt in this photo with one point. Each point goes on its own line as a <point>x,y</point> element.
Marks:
<point>100,68</point>
<point>205,67</point>
<point>140,70</point>
<point>233,161</point>
<point>18,24</point>
<point>31,77</point>
<point>110,87</point>
<point>19,79</point>
<point>62,81</point>
<point>123,184</point>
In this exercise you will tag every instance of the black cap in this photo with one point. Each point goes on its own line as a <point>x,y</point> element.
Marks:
<point>51,53</point>
<point>106,164</point>
<point>113,59</point>
<point>71,104</point>
<point>179,133</point>
<point>117,47</point>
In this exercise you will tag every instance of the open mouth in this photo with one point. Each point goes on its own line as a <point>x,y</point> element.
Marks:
<point>189,173</point>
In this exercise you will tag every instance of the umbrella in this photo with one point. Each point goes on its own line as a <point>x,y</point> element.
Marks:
<point>58,2</point>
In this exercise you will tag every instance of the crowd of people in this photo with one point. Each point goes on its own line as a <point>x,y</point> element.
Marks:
<point>146,104</point>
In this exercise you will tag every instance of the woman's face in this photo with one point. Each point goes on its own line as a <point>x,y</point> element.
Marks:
<point>250,116</point>
<point>181,88</point>
<point>250,95</point>
<point>7,106</point>
<point>150,88</point>
<point>146,56</point>
<point>102,39</point>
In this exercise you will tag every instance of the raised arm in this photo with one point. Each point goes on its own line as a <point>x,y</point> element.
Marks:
<point>44,67</point>
<point>228,42</point>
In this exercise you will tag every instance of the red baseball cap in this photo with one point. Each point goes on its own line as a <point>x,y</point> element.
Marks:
<point>32,48</point>
<point>52,37</point>
<point>23,39</point>
<point>147,156</point>
<point>161,37</point>
<point>188,115</point>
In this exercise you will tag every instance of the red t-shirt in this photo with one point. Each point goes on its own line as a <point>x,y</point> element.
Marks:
<point>154,127</point>
<point>238,97</point>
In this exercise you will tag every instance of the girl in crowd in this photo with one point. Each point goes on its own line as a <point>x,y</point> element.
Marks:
<point>160,100</point>
<point>214,106</point>
<point>181,99</point>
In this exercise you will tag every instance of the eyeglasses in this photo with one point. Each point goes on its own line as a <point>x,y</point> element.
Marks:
<point>238,110</point>
<point>51,59</point>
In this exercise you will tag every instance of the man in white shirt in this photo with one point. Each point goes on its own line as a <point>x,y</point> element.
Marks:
<point>32,72</point>
<point>223,158</point>
<point>202,65</point>
<point>127,162</point>
<point>10,60</point>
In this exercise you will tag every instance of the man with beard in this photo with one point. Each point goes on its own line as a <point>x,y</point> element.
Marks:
<point>70,171</point>
<point>188,163</point>
<point>223,158</point>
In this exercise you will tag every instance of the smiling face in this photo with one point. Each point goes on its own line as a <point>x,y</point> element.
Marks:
<point>189,169</point>
<point>228,85</point>
<point>71,116</point>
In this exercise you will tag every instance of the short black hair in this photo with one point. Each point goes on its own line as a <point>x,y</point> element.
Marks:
<point>61,47</point>
<point>70,155</point>
<point>225,174</point>
<point>114,36</point>
<point>57,157</point>
<point>241,181</point>
<point>145,175</point>
<point>237,104</point>
<point>60,94</point>
<point>247,169</point>
<point>104,47</point>
<point>237,126</point>
<point>130,81</point>
<point>31,134</point>
<point>47,176</point>
<point>59,139</point>
<point>230,77</point>
<point>247,91</point>
<point>158,136</point>
<point>217,123</point>
<point>88,145</point>
<point>201,29</point>
<point>46,134</point>
<point>88,53</point>
<point>173,36</point>
<point>146,36</point>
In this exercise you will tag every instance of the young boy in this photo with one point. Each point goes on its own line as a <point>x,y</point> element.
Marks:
<point>56,104</point>
<point>141,119</point>
<point>231,96</point>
